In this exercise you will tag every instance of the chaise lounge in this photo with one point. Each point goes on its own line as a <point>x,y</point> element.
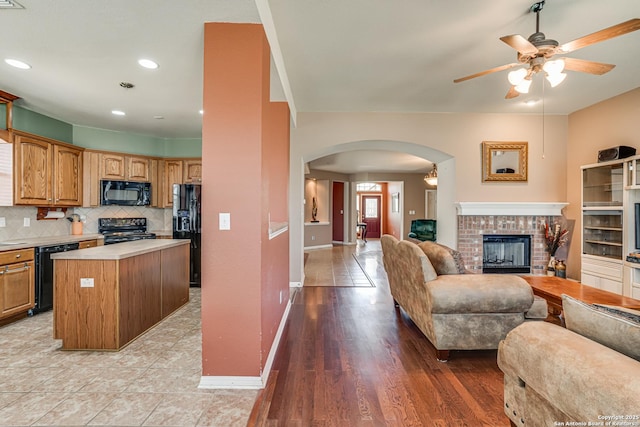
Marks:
<point>453,309</point>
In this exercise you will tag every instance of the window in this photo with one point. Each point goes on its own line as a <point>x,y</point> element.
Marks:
<point>371,207</point>
<point>368,186</point>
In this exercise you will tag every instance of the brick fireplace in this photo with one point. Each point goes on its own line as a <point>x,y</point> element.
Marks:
<point>476,219</point>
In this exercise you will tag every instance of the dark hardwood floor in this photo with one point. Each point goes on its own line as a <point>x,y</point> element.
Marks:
<point>348,357</point>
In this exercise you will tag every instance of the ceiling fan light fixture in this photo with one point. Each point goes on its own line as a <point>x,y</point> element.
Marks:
<point>517,76</point>
<point>556,79</point>
<point>523,87</point>
<point>554,67</point>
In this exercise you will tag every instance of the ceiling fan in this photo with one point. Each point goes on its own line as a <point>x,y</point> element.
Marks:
<point>537,51</point>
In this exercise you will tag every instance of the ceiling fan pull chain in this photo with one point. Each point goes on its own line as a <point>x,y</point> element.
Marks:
<point>543,132</point>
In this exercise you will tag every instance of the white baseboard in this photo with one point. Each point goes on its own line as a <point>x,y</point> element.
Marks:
<point>231,382</point>
<point>306,248</point>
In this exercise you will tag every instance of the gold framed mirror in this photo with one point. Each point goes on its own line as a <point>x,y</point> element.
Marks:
<point>504,161</point>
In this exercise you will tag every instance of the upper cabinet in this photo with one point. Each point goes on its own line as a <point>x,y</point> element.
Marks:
<point>46,172</point>
<point>125,168</point>
<point>179,171</point>
<point>101,165</point>
<point>192,171</point>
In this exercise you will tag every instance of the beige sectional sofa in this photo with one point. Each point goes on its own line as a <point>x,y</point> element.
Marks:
<point>454,310</point>
<point>587,374</point>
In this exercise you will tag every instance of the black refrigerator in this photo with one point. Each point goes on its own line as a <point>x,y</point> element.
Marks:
<point>187,224</point>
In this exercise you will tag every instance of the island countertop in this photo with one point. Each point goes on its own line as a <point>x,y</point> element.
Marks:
<point>121,250</point>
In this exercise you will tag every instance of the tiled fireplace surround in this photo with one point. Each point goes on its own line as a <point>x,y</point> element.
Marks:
<point>478,219</point>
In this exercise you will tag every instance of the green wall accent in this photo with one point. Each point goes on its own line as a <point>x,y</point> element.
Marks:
<point>3,116</point>
<point>101,139</point>
<point>109,140</point>
<point>183,147</point>
<point>39,124</point>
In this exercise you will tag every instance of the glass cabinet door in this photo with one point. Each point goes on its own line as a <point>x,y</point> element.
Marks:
<point>602,185</point>
<point>602,233</point>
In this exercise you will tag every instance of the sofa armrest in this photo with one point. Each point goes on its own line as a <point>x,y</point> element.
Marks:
<point>480,293</point>
<point>581,378</point>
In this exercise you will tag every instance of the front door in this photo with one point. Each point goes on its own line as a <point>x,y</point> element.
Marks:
<point>371,210</point>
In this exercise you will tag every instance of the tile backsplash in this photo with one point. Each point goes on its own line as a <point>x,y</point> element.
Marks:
<point>157,219</point>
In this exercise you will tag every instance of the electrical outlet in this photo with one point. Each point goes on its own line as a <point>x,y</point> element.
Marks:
<point>27,222</point>
<point>3,222</point>
<point>313,237</point>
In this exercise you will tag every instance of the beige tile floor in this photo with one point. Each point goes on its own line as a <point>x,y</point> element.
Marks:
<point>151,382</point>
<point>343,265</point>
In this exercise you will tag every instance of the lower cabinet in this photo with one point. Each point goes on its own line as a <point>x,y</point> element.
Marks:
<point>602,273</point>
<point>17,290</point>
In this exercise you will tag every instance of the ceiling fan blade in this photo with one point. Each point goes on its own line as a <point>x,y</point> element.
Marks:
<point>485,72</point>
<point>602,35</point>
<point>584,66</point>
<point>512,93</point>
<point>520,44</point>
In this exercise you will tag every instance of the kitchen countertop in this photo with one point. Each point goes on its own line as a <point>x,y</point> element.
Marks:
<point>33,242</point>
<point>121,250</point>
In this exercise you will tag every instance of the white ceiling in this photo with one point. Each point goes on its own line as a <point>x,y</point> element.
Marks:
<point>355,55</point>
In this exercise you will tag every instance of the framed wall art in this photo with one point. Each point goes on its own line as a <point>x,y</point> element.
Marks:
<point>395,202</point>
<point>504,161</point>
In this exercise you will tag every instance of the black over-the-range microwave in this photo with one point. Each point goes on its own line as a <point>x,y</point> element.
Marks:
<point>125,193</point>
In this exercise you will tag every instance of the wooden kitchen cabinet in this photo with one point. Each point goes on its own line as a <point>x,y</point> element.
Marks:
<point>124,168</point>
<point>173,170</point>
<point>192,171</point>
<point>85,244</point>
<point>179,171</point>
<point>17,289</point>
<point>101,165</point>
<point>47,172</point>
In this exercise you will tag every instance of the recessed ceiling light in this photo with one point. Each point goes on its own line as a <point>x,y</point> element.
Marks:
<point>147,63</point>
<point>201,111</point>
<point>117,113</point>
<point>158,117</point>
<point>17,63</point>
<point>531,102</point>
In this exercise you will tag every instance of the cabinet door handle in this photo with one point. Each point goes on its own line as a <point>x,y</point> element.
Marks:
<point>18,255</point>
<point>18,269</point>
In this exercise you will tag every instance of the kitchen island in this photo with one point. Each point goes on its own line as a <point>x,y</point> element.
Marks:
<point>105,297</point>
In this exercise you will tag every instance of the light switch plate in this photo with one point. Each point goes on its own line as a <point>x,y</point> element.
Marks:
<point>225,221</point>
<point>27,222</point>
<point>3,222</point>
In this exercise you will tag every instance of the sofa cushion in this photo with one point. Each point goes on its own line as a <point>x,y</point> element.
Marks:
<point>444,259</point>
<point>603,325</point>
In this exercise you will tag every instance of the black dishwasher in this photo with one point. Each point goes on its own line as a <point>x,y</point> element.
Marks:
<point>44,275</point>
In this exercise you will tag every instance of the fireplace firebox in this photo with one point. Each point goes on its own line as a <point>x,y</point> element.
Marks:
<point>506,253</point>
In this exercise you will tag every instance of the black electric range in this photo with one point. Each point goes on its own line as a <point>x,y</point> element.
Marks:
<point>117,230</point>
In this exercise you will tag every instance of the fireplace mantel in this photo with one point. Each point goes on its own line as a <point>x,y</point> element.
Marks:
<point>510,208</point>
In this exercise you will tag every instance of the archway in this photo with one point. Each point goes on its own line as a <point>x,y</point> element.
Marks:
<point>447,226</point>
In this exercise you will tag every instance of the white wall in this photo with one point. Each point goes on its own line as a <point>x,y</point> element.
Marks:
<point>451,140</point>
